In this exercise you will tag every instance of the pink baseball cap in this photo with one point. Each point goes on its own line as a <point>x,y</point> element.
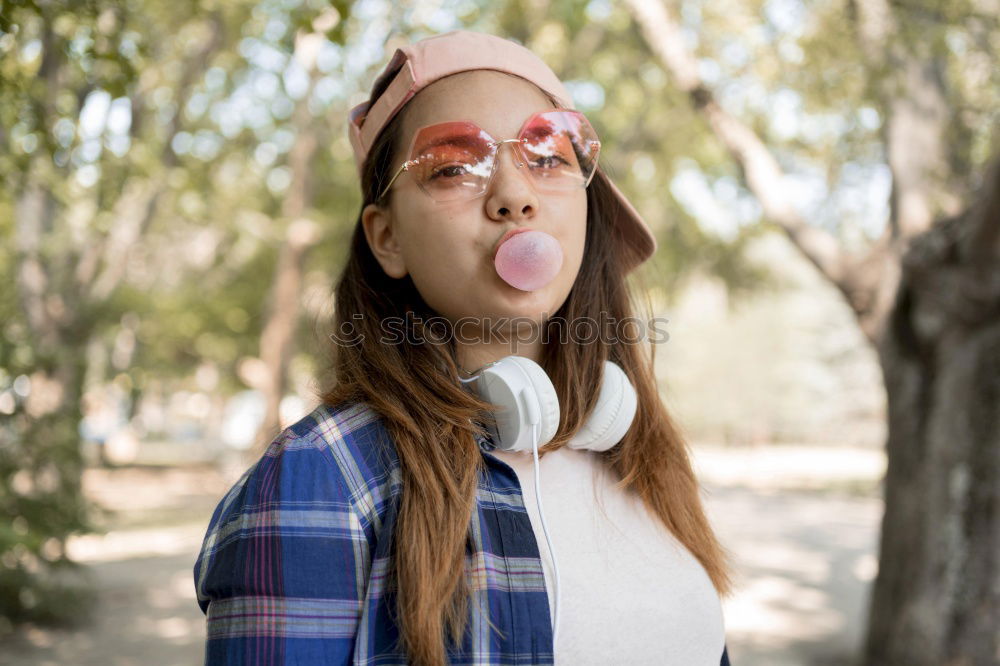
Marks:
<point>416,65</point>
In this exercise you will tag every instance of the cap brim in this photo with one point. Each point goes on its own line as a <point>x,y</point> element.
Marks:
<point>637,240</point>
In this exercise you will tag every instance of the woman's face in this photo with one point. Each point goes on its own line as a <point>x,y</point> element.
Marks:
<point>447,248</point>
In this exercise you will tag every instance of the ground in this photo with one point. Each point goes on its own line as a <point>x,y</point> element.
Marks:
<point>802,524</point>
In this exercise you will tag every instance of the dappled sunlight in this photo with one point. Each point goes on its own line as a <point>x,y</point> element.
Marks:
<point>789,466</point>
<point>142,567</point>
<point>793,559</point>
<point>120,545</point>
<point>146,614</point>
<point>778,612</point>
<point>804,562</point>
<point>865,567</point>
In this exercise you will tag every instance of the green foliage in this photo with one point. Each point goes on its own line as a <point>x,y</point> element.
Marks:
<point>40,498</point>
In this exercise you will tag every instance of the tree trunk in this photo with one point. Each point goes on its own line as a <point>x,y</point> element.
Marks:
<point>936,599</point>
<point>277,339</point>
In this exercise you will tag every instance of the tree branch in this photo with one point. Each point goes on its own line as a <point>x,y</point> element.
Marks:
<point>135,209</point>
<point>34,211</point>
<point>761,170</point>
<point>917,113</point>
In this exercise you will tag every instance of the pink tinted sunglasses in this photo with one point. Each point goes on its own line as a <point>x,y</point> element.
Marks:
<point>457,160</point>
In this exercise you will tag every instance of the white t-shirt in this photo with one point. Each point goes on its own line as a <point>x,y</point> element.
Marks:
<point>630,592</point>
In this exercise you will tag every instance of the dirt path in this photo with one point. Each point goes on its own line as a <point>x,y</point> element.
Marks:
<point>805,560</point>
<point>803,524</point>
<point>805,563</point>
<point>146,613</point>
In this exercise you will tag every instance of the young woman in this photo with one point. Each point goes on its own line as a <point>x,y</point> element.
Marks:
<point>396,524</point>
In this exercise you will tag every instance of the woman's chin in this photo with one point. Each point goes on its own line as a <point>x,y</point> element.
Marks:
<point>525,305</point>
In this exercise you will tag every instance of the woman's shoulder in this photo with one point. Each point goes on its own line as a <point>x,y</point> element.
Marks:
<point>350,424</point>
<point>334,455</point>
<point>335,462</point>
<point>348,440</point>
<point>317,489</point>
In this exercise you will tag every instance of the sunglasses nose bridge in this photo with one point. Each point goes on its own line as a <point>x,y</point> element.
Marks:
<point>515,153</point>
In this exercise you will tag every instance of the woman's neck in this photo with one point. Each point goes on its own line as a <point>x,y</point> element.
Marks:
<point>473,357</point>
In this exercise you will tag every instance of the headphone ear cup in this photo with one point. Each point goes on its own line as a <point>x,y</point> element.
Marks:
<point>519,386</point>
<point>612,415</point>
<point>546,397</point>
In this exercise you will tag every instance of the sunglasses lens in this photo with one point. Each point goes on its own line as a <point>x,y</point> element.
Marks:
<point>561,148</point>
<point>455,160</point>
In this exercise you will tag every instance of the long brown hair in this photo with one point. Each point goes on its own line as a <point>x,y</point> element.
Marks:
<point>433,420</point>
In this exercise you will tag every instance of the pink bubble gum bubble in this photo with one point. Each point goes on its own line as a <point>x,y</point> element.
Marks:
<point>529,260</point>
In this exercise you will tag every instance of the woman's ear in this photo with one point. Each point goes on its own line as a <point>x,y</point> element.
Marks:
<point>382,240</point>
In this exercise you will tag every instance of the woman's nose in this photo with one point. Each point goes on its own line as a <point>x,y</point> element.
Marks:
<point>511,190</point>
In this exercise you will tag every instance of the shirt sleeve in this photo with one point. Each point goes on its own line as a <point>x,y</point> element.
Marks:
<point>284,566</point>
<point>725,656</point>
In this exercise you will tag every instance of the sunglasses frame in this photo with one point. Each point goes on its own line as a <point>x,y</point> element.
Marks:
<point>405,166</point>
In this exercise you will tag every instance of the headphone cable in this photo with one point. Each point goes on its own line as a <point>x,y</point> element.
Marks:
<point>548,539</point>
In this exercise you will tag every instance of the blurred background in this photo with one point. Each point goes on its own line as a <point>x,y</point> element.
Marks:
<point>178,189</point>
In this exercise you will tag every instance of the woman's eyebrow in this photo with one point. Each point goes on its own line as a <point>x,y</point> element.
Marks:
<point>538,131</point>
<point>457,137</point>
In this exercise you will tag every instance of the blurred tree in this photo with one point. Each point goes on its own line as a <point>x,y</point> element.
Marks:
<point>124,130</point>
<point>278,335</point>
<point>926,291</point>
<point>88,119</point>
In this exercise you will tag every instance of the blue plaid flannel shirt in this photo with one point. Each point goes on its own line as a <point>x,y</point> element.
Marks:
<point>293,566</point>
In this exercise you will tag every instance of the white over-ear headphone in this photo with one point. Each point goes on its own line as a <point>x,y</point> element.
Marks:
<point>529,418</point>
<point>528,398</point>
